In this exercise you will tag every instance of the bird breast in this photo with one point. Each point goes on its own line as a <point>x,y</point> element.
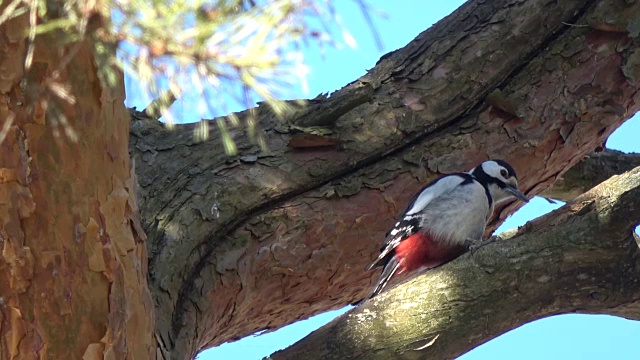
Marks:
<point>458,215</point>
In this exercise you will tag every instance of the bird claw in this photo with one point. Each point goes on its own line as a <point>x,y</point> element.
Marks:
<point>475,244</point>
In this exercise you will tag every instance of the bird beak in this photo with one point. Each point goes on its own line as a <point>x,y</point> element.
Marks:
<point>516,193</point>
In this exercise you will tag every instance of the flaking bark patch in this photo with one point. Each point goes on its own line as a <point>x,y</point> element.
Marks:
<point>72,268</point>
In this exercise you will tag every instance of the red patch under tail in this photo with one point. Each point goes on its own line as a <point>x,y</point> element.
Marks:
<point>422,251</point>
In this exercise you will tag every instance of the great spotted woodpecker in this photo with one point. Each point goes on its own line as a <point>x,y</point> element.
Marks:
<point>446,217</point>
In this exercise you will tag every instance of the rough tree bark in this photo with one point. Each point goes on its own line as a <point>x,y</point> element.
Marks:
<point>72,268</point>
<point>260,240</point>
<point>580,258</point>
<point>593,170</point>
<point>254,242</point>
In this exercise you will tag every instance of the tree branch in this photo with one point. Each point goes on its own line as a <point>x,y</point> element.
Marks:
<point>591,171</point>
<point>580,258</point>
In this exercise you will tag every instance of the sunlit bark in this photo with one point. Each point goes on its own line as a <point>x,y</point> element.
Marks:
<point>73,257</point>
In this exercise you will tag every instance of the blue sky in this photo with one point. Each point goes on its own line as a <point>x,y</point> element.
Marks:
<point>582,337</point>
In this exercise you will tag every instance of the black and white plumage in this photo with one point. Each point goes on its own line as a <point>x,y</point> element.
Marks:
<point>444,218</point>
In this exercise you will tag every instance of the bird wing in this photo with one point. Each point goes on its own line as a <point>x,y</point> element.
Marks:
<point>435,189</point>
<point>409,224</point>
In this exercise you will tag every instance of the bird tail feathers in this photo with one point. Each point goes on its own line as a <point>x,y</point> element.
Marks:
<point>387,273</point>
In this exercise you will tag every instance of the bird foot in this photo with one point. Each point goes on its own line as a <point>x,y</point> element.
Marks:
<point>475,244</point>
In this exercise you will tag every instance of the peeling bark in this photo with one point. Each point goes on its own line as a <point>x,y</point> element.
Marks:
<point>591,171</point>
<point>581,258</point>
<point>72,268</point>
<point>257,241</point>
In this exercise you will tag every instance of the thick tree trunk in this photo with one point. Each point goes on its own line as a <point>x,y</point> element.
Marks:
<point>72,268</point>
<point>581,258</point>
<point>257,241</point>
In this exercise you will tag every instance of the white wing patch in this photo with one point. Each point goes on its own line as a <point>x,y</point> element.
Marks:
<point>406,226</point>
<point>441,186</point>
<point>401,230</point>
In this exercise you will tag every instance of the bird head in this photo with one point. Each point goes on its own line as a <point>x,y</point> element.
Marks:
<point>501,180</point>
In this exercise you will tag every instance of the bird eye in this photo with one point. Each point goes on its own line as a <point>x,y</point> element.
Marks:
<point>503,172</point>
